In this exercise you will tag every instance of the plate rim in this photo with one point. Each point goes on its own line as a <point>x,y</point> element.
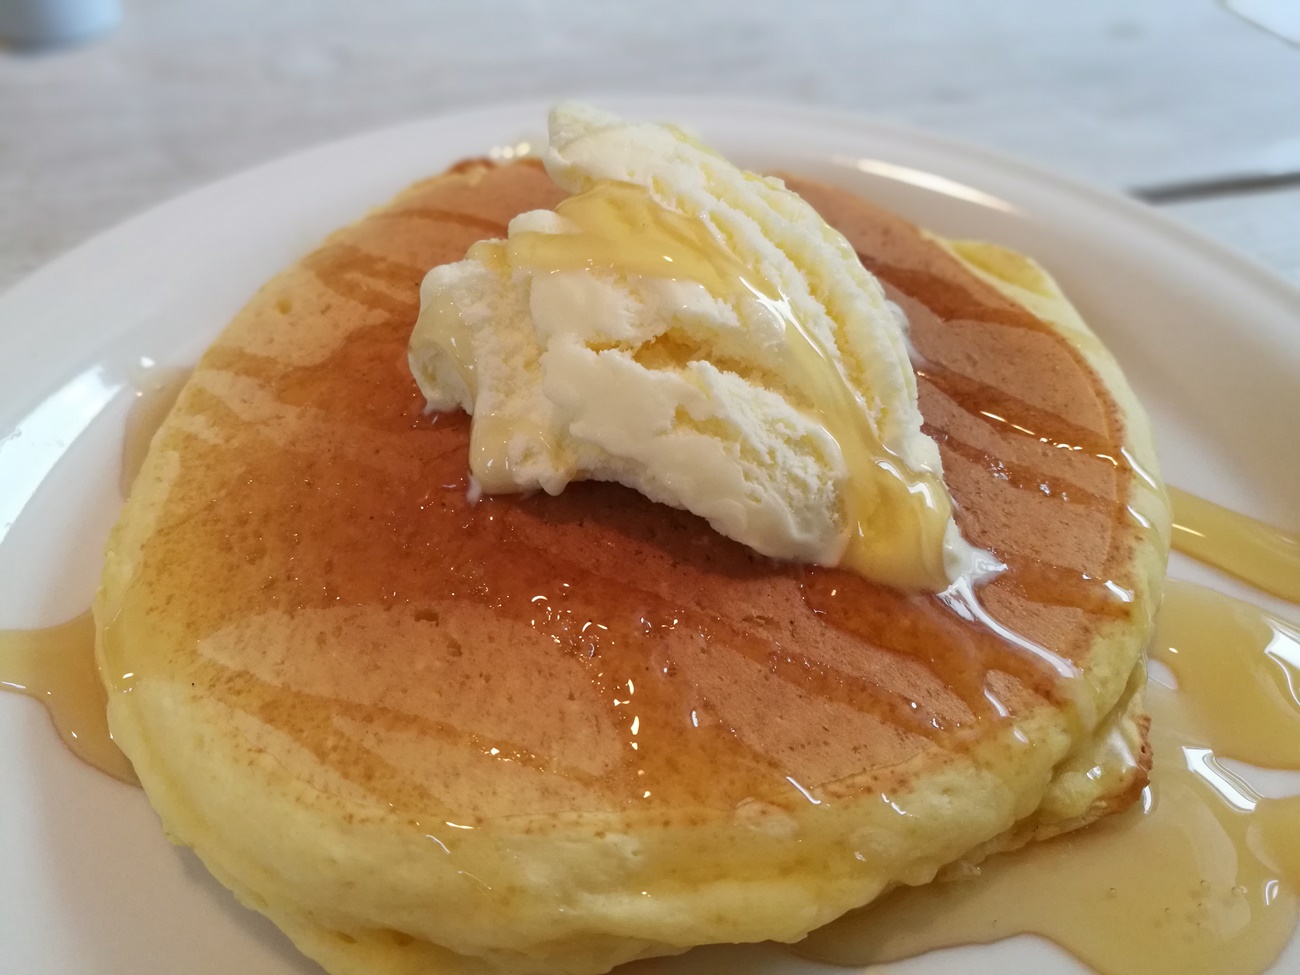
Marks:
<point>792,112</point>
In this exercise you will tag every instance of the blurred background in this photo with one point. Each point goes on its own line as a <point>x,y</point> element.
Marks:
<point>1185,102</point>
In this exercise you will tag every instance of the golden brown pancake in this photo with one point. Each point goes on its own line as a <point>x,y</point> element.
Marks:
<point>551,734</point>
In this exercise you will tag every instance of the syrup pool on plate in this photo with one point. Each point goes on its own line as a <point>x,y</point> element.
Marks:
<point>56,666</point>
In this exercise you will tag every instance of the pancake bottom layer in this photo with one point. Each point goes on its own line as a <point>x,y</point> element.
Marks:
<point>553,734</point>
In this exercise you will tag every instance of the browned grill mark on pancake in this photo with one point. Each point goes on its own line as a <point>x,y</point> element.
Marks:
<point>1022,477</point>
<point>439,215</point>
<point>951,298</point>
<point>1049,584</point>
<point>1105,443</point>
<point>310,721</point>
<point>961,653</point>
<point>372,281</point>
<point>996,406</point>
<point>799,670</point>
<point>895,251</point>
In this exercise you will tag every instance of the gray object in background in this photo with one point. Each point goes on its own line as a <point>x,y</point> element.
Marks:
<point>35,24</point>
<point>1155,95</point>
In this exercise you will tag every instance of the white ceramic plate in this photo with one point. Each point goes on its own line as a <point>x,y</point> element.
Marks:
<point>87,883</point>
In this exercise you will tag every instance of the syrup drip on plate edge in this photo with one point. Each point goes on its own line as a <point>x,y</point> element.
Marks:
<point>1201,875</point>
<point>56,665</point>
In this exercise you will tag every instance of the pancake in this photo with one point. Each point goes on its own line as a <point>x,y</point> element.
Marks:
<point>552,734</point>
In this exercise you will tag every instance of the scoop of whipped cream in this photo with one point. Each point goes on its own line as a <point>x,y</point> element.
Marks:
<point>700,334</point>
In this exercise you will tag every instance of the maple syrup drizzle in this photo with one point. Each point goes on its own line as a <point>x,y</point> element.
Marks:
<point>56,666</point>
<point>1200,877</point>
<point>1266,557</point>
<point>154,399</point>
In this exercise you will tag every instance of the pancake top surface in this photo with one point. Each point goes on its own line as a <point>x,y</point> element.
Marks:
<point>308,558</point>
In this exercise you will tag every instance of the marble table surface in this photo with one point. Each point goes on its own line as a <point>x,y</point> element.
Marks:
<point>1158,95</point>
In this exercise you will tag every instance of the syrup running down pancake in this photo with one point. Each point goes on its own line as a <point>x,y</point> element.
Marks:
<point>551,734</point>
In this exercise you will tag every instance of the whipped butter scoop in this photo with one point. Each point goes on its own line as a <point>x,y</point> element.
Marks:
<point>698,333</point>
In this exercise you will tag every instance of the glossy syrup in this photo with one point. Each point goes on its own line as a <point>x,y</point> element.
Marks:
<point>1265,556</point>
<point>56,666</point>
<point>155,395</point>
<point>1200,877</point>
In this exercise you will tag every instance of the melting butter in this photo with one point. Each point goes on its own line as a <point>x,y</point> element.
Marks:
<point>490,434</point>
<point>1200,877</point>
<point>897,517</point>
<point>1262,555</point>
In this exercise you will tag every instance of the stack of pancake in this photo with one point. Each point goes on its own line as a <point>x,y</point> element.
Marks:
<point>552,734</point>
